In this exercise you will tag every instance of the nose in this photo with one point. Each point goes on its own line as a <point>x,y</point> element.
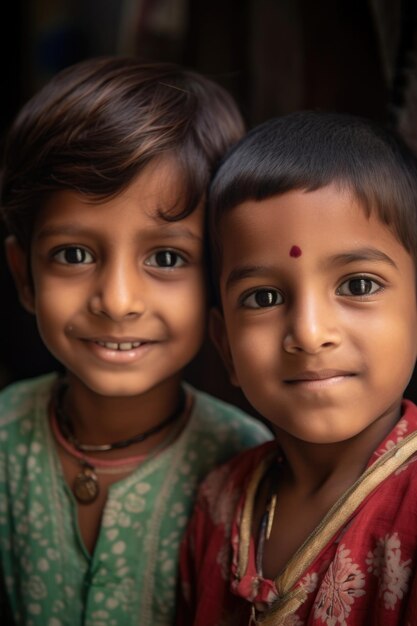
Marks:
<point>119,291</point>
<point>312,325</point>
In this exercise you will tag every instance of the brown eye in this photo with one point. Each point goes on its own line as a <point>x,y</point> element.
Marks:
<point>165,259</point>
<point>73,255</point>
<point>359,286</point>
<point>263,298</point>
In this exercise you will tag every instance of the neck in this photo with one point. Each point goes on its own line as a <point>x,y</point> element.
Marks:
<point>313,467</point>
<point>97,419</point>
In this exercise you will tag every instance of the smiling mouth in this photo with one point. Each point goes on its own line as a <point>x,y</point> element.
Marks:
<point>122,346</point>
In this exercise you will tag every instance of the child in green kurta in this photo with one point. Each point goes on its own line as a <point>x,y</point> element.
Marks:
<point>103,191</point>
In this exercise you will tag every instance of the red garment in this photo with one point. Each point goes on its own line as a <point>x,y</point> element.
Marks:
<point>363,575</point>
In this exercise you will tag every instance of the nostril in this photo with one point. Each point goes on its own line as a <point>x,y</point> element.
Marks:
<point>133,314</point>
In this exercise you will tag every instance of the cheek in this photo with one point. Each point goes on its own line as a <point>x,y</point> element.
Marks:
<point>255,350</point>
<point>402,352</point>
<point>392,343</point>
<point>197,295</point>
<point>50,319</point>
<point>55,292</point>
<point>187,307</point>
<point>54,308</point>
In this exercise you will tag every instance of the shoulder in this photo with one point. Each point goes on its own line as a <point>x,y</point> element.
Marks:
<point>20,401</point>
<point>393,502</point>
<point>233,476</point>
<point>220,498</point>
<point>228,421</point>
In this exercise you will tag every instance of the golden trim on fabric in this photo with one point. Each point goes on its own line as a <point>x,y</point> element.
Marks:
<point>291,600</point>
<point>247,513</point>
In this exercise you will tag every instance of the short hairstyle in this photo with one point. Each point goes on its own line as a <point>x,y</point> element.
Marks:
<point>309,150</point>
<point>98,123</point>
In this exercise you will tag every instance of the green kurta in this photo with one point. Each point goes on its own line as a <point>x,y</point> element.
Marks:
<point>48,578</point>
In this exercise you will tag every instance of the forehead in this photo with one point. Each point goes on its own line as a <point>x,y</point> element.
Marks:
<point>302,227</point>
<point>156,192</point>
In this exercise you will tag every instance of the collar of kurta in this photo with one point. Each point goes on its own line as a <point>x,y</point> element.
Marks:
<point>393,452</point>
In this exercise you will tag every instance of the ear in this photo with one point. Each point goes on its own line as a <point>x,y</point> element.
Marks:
<point>18,264</point>
<point>218,334</point>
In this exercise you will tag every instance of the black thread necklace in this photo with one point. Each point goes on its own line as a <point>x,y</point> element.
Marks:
<point>86,485</point>
<point>65,426</point>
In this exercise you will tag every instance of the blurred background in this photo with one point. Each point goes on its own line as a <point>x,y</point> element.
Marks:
<point>274,56</point>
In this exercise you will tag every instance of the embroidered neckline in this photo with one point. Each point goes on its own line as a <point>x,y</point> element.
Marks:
<point>291,598</point>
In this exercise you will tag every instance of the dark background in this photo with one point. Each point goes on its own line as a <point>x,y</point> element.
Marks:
<point>274,56</point>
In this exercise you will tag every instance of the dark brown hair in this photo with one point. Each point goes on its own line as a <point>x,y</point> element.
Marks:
<point>97,124</point>
<point>308,150</point>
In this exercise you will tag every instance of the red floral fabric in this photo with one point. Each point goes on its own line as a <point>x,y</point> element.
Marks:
<point>365,576</point>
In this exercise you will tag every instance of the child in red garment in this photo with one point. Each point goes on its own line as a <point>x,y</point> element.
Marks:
<point>314,238</point>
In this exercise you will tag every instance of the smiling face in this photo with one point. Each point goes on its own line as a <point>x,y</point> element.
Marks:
<point>118,291</point>
<point>322,341</point>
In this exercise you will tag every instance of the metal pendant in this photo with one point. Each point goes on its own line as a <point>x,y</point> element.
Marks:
<point>85,486</point>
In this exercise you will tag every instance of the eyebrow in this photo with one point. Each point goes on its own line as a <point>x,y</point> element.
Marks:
<point>64,229</point>
<point>344,258</point>
<point>178,231</point>
<point>166,231</point>
<point>245,271</point>
<point>362,254</point>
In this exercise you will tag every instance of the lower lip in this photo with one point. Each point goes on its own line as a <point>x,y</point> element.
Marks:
<point>119,357</point>
<point>320,383</point>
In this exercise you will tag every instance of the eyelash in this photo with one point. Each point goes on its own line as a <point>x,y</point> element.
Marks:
<point>79,251</point>
<point>272,296</point>
<point>161,259</point>
<point>362,280</point>
<point>268,297</point>
<point>167,254</point>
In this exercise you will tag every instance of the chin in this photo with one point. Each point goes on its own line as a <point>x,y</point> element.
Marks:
<point>111,387</point>
<point>109,391</point>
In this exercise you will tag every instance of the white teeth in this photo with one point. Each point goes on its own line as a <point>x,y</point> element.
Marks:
<point>125,345</point>
<point>128,345</point>
<point>111,346</point>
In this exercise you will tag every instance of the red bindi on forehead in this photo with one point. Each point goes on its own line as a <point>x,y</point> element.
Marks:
<point>295,251</point>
